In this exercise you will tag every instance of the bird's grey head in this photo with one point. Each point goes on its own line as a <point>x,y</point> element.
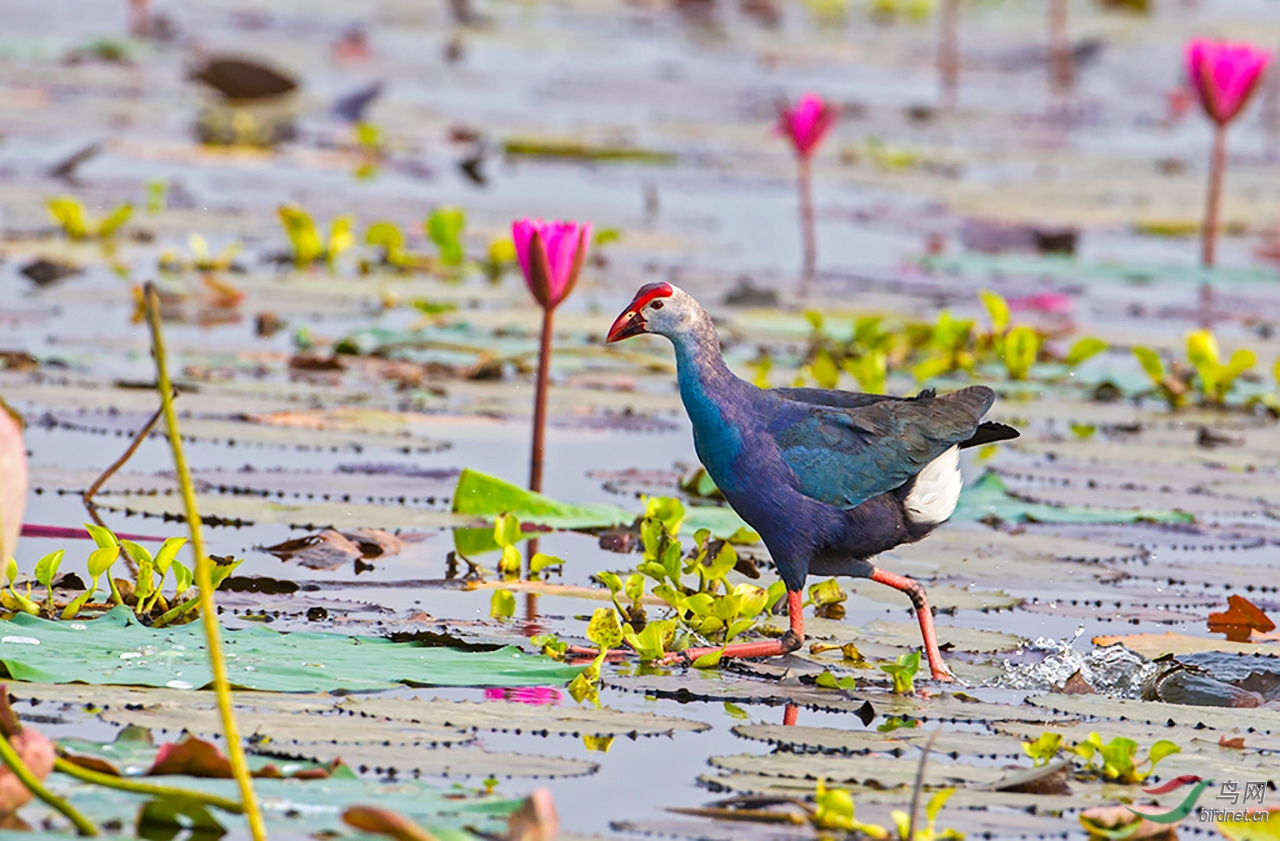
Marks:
<point>659,308</point>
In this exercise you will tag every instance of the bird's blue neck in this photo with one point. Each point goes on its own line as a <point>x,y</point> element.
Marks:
<point>708,389</point>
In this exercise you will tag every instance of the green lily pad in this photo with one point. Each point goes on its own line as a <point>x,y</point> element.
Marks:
<point>990,496</point>
<point>116,649</point>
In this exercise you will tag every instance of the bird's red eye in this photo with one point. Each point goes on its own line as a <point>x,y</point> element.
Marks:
<point>657,305</point>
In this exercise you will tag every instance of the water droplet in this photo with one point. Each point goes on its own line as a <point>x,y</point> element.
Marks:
<point>21,640</point>
<point>179,684</point>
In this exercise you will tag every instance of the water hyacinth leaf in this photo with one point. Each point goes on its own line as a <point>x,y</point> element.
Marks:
<point>604,629</point>
<point>997,310</point>
<point>509,563</point>
<point>90,652</point>
<point>829,681</point>
<point>100,560</point>
<point>541,561</point>
<point>67,212</point>
<point>1151,364</point>
<point>183,578</point>
<point>103,537</point>
<point>163,816</point>
<point>506,530</point>
<point>710,660</point>
<point>1084,349</point>
<point>115,221</point>
<point>827,593</point>
<point>303,234</point>
<point>502,604</point>
<point>341,236</point>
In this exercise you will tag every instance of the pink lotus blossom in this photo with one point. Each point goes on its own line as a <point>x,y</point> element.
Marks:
<point>537,695</point>
<point>807,123</point>
<point>1224,75</point>
<point>1048,302</point>
<point>551,255</point>
<point>13,481</point>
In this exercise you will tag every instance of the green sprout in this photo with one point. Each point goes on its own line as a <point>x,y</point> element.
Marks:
<point>500,259</point>
<point>45,572</point>
<point>506,533</point>
<point>1215,378</point>
<point>388,237</point>
<point>1117,760</point>
<point>304,236</point>
<point>202,258</point>
<point>70,215</point>
<point>829,681</point>
<point>903,672</point>
<point>444,227</point>
<point>1085,348</point>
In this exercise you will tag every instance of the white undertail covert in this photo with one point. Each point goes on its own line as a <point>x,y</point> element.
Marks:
<point>933,497</point>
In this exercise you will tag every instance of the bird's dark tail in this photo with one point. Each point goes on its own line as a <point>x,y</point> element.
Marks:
<point>989,433</point>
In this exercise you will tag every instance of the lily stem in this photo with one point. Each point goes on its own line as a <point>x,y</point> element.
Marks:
<point>949,52</point>
<point>65,766</point>
<point>540,401</point>
<point>1213,200</point>
<point>1062,71</point>
<point>28,779</point>
<point>203,576</point>
<point>804,179</point>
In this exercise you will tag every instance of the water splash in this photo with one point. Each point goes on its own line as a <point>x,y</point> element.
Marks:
<point>1112,670</point>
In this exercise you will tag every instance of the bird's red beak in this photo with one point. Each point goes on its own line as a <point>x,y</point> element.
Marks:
<point>630,323</point>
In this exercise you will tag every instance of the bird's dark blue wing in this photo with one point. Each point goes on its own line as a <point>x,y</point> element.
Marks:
<point>845,456</point>
<point>834,398</point>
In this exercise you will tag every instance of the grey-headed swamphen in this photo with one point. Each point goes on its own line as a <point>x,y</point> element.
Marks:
<point>829,479</point>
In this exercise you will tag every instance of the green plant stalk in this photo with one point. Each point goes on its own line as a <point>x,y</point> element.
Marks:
<point>203,575</point>
<point>65,766</point>
<point>177,612</point>
<point>128,453</point>
<point>28,779</point>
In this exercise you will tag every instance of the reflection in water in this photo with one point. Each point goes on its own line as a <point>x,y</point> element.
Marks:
<point>537,695</point>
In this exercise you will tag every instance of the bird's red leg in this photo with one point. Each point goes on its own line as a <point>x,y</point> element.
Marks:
<point>789,642</point>
<point>921,603</point>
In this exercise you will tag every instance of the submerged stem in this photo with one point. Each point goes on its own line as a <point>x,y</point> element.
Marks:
<point>28,779</point>
<point>203,575</point>
<point>65,766</point>
<point>540,401</point>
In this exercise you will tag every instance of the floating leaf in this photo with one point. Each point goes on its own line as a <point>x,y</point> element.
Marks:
<point>91,652</point>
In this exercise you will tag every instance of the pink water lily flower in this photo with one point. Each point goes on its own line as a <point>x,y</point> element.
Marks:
<point>1224,75</point>
<point>551,255</point>
<point>13,481</point>
<point>806,123</point>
